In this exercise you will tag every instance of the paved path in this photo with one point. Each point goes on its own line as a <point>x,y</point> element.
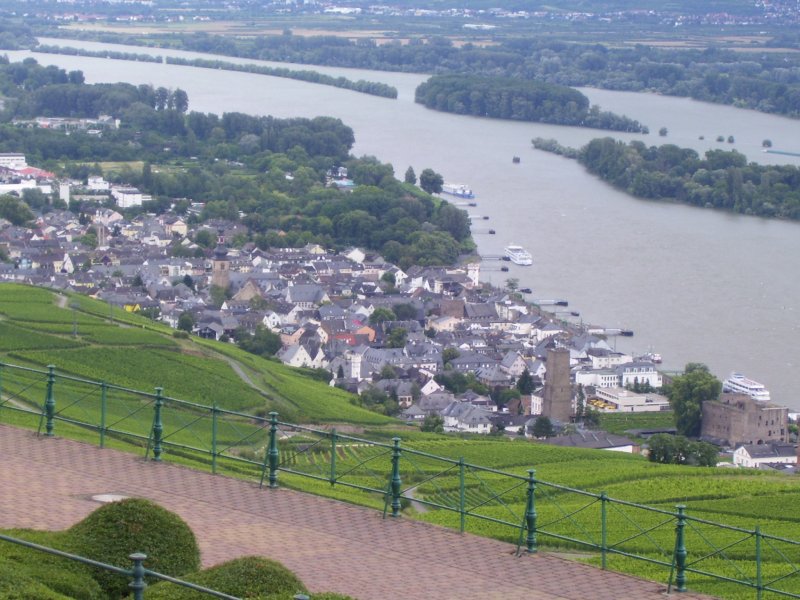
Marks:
<point>332,546</point>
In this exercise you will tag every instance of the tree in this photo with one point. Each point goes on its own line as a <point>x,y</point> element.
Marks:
<point>431,181</point>
<point>580,402</point>
<point>525,382</point>
<point>188,281</point>
<point>397,337</point>
<point>662,132</point>
<point>679,450</point>
<point>263,342</point>
<point>543,428</point>
<point>433,424</point>
<point>687,393</point>
<point>380,315</point>
<point>767,143</point>
<point>449,354</point>
<point>186,322</point>
<point>411,177</point>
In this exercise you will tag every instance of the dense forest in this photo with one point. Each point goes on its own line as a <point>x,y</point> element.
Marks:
<point>766,81</point>
<point>721,179</point>
<point>268,173</point>
<point>519,100</point>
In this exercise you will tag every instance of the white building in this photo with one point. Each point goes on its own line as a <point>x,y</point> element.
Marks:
<point>97,184</point>
<point>619,399</point>
<point>128,197</point>
<point>12,160</point>
<point>756,455</point>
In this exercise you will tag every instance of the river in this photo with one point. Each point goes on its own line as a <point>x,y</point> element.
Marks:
<point>693,284</point>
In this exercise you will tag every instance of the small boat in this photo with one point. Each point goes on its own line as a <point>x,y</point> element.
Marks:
<point>515,160</point>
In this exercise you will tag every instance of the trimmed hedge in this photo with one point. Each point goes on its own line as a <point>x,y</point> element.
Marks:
<point>245,577</point>
<point>114,531</point>
<point>28,573</point>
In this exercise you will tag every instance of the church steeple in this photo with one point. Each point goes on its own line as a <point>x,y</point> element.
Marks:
<point>220,273</point>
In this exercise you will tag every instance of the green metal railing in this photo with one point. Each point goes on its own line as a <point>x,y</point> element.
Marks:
<point>515,507</point>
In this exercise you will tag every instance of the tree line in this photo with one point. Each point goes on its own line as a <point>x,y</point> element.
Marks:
<point>720,179</point>
<point>769,81</point>
<point>519,100</point>
<point>374,88</point>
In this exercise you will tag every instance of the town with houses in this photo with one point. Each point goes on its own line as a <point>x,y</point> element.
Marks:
<point>320,305</point>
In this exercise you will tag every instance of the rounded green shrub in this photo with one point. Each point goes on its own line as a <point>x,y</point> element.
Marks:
<point>29,573</point>
<point>245,577</point>
<point>115,531</point>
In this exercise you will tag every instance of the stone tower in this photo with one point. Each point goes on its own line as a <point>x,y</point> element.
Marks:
<point>557,401</point>
<point>220,271</point>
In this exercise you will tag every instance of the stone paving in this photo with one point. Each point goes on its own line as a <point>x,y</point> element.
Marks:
<point>47,483</point>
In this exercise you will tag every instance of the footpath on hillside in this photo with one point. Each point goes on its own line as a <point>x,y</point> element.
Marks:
<point>48,483</point>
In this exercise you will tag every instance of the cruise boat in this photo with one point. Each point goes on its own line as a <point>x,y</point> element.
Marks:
<point>742,385</point>
<point>518,255</point>
<point>458,189</point>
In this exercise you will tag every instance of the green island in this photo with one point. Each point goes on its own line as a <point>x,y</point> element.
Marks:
<point>721,179</point>
<point>365,87</point>
<point>518,100</point>
<point>238,383</point>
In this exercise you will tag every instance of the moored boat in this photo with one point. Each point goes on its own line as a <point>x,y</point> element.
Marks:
<point>518,255</point>
<point>740,384</point>
<point>459,190</point>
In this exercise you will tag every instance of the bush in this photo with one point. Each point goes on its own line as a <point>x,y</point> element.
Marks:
<point>29,573</point>
<point>246,577</point>
<point>113,532</point>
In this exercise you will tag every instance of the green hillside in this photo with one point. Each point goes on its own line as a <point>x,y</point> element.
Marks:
<point>585,499</point>
<point>82,337</point>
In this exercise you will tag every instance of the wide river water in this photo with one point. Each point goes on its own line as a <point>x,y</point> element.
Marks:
<point>693,284</point>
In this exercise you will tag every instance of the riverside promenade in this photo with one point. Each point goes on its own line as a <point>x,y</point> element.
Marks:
<point>48,483</point>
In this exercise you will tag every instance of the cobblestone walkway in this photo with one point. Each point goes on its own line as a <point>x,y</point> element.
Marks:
<point>332,546</point>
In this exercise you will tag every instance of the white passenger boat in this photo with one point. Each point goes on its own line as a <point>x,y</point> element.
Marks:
<point>742,385</point>
<point>518,255</point>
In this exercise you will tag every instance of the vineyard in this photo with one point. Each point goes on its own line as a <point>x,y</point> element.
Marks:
<point>618,509</point>
<point>87,338</point>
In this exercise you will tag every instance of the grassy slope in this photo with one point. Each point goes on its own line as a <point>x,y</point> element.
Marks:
<point>735,497</point>
<point>37,330</point>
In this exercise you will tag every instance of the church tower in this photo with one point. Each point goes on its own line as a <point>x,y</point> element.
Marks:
<point>220,271</point>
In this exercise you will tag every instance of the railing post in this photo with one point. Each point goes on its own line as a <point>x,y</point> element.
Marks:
<point>158,426</point>
<point>103,394</point>
<point>214,439</point>
<point>396,482</point>
<point>759,580</point>
<point>462,498</point>
<point>530,513</point>
<point>50,401</point>
<point>680,550</point>
<point>332,477</point>
<point>603,530</point>
<point>137,583</point>
<point>273,449</point>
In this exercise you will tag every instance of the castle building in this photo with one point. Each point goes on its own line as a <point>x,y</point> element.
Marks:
<point>736,419</point>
